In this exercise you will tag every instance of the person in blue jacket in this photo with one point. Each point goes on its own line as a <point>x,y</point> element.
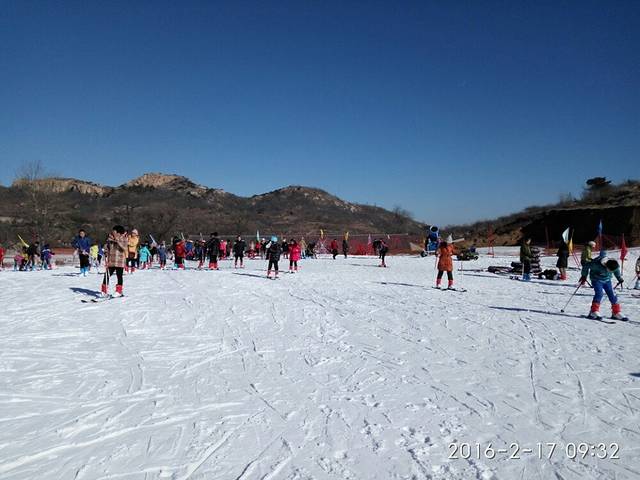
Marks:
<point>600,270</point>
<point>82,243</point>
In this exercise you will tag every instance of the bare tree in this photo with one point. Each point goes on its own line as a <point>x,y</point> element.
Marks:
<point>37,184</point>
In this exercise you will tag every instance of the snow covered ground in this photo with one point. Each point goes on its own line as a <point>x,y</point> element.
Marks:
<point>344,371</point>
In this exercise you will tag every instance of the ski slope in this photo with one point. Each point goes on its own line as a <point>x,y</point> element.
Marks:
<point>341,371</point>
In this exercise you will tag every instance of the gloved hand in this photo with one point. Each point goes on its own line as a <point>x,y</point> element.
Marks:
<point>583,280</point>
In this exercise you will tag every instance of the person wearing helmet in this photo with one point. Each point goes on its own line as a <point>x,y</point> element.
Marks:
<point>600,271</point>
<point>273,254</point>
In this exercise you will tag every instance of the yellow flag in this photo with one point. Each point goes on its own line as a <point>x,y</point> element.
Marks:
<point>23,242</point>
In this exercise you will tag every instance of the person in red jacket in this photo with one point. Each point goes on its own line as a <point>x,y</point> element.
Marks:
<point>1,257</point>
<point>294,255</point>
<point>445,261</point>
<point>179,252</point>
<point>334,248</point>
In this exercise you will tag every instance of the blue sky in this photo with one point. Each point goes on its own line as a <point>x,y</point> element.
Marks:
<point>456,111</point>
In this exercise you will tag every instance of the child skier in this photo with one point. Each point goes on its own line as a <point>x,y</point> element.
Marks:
<point>294,256</point>
<point>132,251</point>
<point>213,250</point>
<point>200,253</point>
<point>238,252</point>
<point>345,247</point>
<point>116,255</point>
<point>383,249</point>
<point>93,256</point>
<point>144,256</point>
<point>334,248</point>
<point>179,252</point>
<point>637,285</point>
<point>273,254</point>
<point>45,256</point>
<point>445,261</point>
<point>600,271</point>
<point>18,260</point>
<point>162,255</point>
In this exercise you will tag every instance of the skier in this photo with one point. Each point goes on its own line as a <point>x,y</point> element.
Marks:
<point>303,248</point>
<point>46,255</point>
<point>162,255</point>
<point>273,254</point>
<point>563,260</point>
<point>93,255</point>
<point>345,247</point>
<point>445,262</point>
<point>383,249</point>
<point>238,252</point>
<point>2,251</point>
<point>285,248</point>
<point>334,248</point>
<point>294,256</point>
<point>144,256</point>
<point>200,253</point>
<point>18,261</point>
<point>213,250</point>
<point>600,271</point>
<point>116,254</point>
<point>525,258</point>
<point>82,244</point>
<point>228,249</point>
<point>637,285</point>
<point>33,251</point>
<point>132,251</point>
<point>179,253</point>
<point>585,256</point>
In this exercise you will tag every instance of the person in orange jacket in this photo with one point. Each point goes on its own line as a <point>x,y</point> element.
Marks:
<point>445,261</point>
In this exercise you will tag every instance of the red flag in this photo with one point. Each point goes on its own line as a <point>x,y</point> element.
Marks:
<point>623,249</point>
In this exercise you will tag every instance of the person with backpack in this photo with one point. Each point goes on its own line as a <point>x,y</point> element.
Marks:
<point>239,248</point>
<point>273,254</point>
<point>116,250</point>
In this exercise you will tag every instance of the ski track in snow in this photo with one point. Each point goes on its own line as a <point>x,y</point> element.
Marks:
<point>340,371</point>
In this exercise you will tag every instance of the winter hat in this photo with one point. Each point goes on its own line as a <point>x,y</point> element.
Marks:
<point>592,244</point>
<point>611,264</point>
<point>274,239</point>
<point>118,229</point>
<point>449,239</point>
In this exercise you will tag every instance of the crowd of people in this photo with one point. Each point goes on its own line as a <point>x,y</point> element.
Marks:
<point>125,252</point>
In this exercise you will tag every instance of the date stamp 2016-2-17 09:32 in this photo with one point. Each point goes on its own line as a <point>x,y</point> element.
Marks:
<point>541,450</point>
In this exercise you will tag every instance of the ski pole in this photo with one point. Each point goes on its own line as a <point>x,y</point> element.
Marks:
<point>572,295</point>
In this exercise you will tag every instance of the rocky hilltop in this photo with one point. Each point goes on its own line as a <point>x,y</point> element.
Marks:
<point>165,204</point>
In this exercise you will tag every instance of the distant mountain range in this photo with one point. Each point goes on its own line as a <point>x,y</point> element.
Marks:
<point>164,204</point>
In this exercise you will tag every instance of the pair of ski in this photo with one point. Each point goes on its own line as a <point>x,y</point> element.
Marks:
<point>101,299</point>
<point>608,322</point>
<point>451,289</point>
